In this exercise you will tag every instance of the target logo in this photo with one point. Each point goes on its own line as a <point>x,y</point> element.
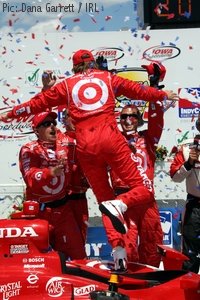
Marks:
<point>90,94</point>
<point>38,175</point>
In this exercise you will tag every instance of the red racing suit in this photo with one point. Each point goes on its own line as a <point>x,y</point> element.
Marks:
<point>143,220</point>
<point>90,99</point>
<point>77,187</point>
<point>35,160</point>
<point>181,170</point>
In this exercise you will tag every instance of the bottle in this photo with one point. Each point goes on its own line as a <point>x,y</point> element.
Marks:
<point>113,283</point>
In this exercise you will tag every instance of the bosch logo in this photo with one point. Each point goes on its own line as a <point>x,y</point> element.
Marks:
<point>161,53</point>
<point>109,53</point>
<point>36,259</point>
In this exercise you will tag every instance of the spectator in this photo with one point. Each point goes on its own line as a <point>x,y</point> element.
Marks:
<point>47,171</point>
<point>89,96</point>
<point>143,220</point>
<point>186,166</point>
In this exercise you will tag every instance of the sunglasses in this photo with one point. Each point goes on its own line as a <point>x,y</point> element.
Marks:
<point>125,116</point>
<point>48,123</point>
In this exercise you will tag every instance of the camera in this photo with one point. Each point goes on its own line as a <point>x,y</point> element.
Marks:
<point>195,145</point>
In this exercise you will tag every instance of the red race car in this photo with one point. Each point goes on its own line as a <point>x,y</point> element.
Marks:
<point>30,269</point>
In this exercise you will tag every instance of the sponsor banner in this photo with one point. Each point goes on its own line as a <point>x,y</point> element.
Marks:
<point>189,103</point>
<point>161,53</point>
<point>171,222</point>
<point>166,223</point>
<point>97,244</point>
<point>109,53</point>
<point>138,75</point>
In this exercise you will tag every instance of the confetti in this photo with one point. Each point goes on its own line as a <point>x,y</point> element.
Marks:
<point>14,91</point>
<point>64,27</point>
<point>93,20</point>
<point>107,18</point>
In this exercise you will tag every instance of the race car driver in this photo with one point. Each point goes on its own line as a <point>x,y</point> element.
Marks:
<point>145,232</point>
<point>89,96</point>
<point>78,184</point>
<point>47,171</point>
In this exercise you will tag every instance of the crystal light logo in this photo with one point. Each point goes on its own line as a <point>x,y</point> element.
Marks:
<point>108,53</point>
<point>161,53</point>
<point>10,290</point>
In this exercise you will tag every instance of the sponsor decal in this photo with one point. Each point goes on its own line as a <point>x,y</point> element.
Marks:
<point>33,76</point>
<point>19,249</point>
<point>9,290</point>
<point>166,224</point>
<point>109,53</point>
<point>54,287</point>
<point>39,266</point>
<point>84,290</point>
<point>32,279</point>
<point>13,232</point>
<point>38,175</point>
<point>161,53</point>
<point>146,180</point>
<point>94,249</point>
<point>36,259</point>
<point>90,94</point>
<point>189,103</point>
<point>20,110</point>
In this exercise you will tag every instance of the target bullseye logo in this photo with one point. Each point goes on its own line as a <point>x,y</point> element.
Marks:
<point>90,94</point>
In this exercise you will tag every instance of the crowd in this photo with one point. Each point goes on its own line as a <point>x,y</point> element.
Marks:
<point>58,167</point>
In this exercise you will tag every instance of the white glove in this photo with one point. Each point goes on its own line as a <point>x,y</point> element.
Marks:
<point>120,258</point>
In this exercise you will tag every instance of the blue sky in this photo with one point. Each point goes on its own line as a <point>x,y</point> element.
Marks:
<point>107,15</point>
